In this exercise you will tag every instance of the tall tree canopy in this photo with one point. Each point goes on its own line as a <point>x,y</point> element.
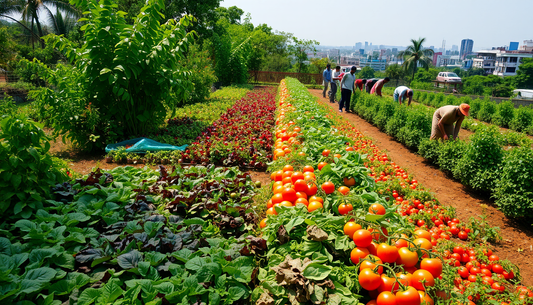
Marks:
<point>415,55</point>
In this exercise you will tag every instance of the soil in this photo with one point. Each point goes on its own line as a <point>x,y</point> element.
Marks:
<point>517,245</point>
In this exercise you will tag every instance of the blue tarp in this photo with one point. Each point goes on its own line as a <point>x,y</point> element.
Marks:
<point>142,145</point>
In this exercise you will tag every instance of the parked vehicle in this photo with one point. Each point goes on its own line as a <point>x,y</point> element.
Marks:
<point>448,77</point>
<point>524,93</point>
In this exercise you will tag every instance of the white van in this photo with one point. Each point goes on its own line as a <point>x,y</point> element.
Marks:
<point>524,93</point>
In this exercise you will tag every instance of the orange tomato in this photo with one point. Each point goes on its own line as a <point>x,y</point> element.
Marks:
<point>263,223</point>
<point>348,181</point>
<point>377,209</point>
<point>277,198</point>
<point>321,165</point>
<point>271,211</point>
<point>344,190</point>
<point>326,152</point>
<point>308,169</point>
<point>288,168</point>
<point>314,205</point>
<point>297,176</point>
<point>350,227</point>
<point>289,194</point>
<point>302,201</point>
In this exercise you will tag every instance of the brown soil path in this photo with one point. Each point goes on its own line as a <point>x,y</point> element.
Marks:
<point>518,238</point>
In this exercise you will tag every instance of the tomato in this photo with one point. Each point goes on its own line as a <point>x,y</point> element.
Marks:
<point>373,248</point>
<point>371,261</point>
<point>289,194</point>
<point>494,257</point>
<point>348,181</point>
<point>454,230</point>
<point>344,190</point>
<point>433,265</point>
<point>302,201</point>
<point>326,152</point>
<point>315,198</point>
<point>377,209</point>
<point>300,186</point>
<point>288,167</point>
<point>328,187</point>
<point>369,280</point>
<point>321,165</point>
<point>350,227</point>
<point>420,276</point>
<point>386,298</point>
<point>263,223</point>
<point>311,189</point>
<point>408,297</point>
<point>314,205</point>
<point>425,299</point>
<point>472,278</point>
<point>463,235</point>
<point>271,211</point>
<point>400,243</point>
<point>497,286</point>
<point>497,268</point>
<point>486,272</point>
<point>508,275</point>
<point>308,168</point>
<point>423,243</point>
<point>345,208</point>
<point>488,280</point>
<point>423,234</point>
<point>407,257</point>
<point>404,278</point>
<point>388,284</point>
<point>362,238</point>
<point>387,253</point>
<point>357,254</point>
<point>463,272</point>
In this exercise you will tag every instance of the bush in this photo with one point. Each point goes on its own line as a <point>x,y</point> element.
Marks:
<point>429,149</point>
<point>479,165</point>
<point>449,154</point>
<point>28,171</point>
<point>123,78</point>
<point>451,100</point>
<point>475,107</point>
<point>416,127</point>
<point>386,112</point>
<point>438,100</point>
<point>488,108</point>
<point>514,186</point>
<point>202,75</point>
<point>523,119</point>
<point>423,97</point>
<point>504,114</point>
<point>396,122</point>
<point>416,95</point>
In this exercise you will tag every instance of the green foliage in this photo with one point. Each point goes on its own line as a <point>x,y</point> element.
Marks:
<point>7,105</point>
<point>367,72</point>
<point>121,82</point>
<point>201,75</point>
<point>504,114</point>
<point>488,108</point>
<point>28,171</point>
<point>523,119</point>
<point>429,149</point>
<point>524,75</point>
<point>478,166</point>
<point>450,154</point>
<point>514,188</point>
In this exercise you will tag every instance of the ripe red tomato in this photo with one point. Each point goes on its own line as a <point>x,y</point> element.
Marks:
<point>377,209</point>
<point>420,276</point>
<point>408,297</point>
<point>388,284</point>
<point>463,272</point>
<point>357,254</point>
<point>407,257</point>
<point>494,257</point>
<point>433,265</point>
<point>300,186</point>
<point>344,190</point>
<point>312,189</point>
<point>362,238</point>
<point>328,187</point>
<point>387,253</point>
<point>345,208</point>
<point>369,280</point>
<point>386,298</point>
<point>371,261</point>
<point>497,268</point>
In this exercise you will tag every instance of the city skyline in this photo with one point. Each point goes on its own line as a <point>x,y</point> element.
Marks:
<point>389,26</point>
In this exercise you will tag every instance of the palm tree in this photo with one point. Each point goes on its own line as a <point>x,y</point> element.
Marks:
<point>415,54</point>
<point>61,24</point>
<point>7,7</point>
<point>394,71</point>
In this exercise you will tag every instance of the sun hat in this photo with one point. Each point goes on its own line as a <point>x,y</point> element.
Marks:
<point>465,108</point>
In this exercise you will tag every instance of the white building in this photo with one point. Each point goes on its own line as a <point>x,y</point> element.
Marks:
<point>527,46</point>
<point>376,64</point>
<point>500,62</point>
<point>447,61</point>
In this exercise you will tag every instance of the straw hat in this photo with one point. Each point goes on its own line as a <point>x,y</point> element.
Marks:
<point>465,108</point>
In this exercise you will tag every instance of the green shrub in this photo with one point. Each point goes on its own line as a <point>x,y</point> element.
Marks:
<point>465,100</point>
<point>27,171</point>
<point>451,100</point>
<point>504,114</point>
<point>396,122</point>
<point>514,186</point>
<point>479,165</point>
<point>386,112</point>
<point>423,97</point>
<point>438,100</point>
<point>430,98</point>
<point>7,105</point>
<point>450,152</point>
<point>416,127</point>
<point>429,149</point>
<point>475,107</point>
<point>416,95</point>
<point>202,74</point>
<point>523,119</point>
<point>488,108</point>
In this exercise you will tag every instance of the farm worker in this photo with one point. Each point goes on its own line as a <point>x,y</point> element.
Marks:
<point>347,86</point>
<point>444,118</point>
<point>369,84</point>
<point>359,83</point>
<point>376,89</point>
<point>401,93</point>
<point>335,81</point>
<point>326,77</point>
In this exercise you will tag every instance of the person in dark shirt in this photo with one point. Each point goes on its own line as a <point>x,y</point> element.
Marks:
<point>370,83</point>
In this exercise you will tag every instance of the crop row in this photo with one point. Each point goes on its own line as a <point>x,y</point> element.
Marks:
<point>483,162</point>
<point>302,231</point>
<point>503,114</point>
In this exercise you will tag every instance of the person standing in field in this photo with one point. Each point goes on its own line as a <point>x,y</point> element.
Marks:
<point>359,83</point>
<point>326,77</point>
<point>347,87</point>
<point>403,92</point>
<point>376,89</point>
<point>444,119</point>
<point>369,84</point>
<point>335,81</point>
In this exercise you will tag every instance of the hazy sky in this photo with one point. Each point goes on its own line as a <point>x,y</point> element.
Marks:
<point>394,22</point>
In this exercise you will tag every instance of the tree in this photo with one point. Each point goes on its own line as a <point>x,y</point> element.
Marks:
<point>61,25</point>
<point>367,72</point>
<point>8,7</point>
<point>394,71</point>
<point>299,49</point>
<point>415,55</point>
<point>319,64</point>
<point>232,14</point>
<point>7,48</point>
<point>524,75</point>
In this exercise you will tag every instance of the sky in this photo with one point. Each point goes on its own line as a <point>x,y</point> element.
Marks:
<point>489,23</point>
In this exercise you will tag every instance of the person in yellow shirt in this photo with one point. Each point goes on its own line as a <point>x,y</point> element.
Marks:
<point>447,121</point>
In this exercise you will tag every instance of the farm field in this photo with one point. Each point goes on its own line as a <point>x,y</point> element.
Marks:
<point>339,204</point>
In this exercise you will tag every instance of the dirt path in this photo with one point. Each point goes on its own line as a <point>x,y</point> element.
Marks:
<point>518,238</point>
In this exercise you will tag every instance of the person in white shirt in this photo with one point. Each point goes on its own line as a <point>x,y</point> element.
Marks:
<point>335,81</point>
<point>401,93</point>
<point>347,87</point>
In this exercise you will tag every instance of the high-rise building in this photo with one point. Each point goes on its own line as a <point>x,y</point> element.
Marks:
<point>466,48</point>
<point>358,45</point>
<point>432,47</point>
<point>513,46</point>
<point>366,45</point>
<point>455,47</point>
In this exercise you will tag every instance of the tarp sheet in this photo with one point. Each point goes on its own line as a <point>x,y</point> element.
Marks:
<point>143,145</point>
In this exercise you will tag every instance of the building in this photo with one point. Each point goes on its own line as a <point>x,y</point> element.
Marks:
<point>358,45</point>
<point>376,64</point>
<point>466,48</point>
<point>447,61</point>
<point>362,51</point>
<point>366,45</point>
<point>435,57</point>
<point>527,46</point>
<point>334,54</point>
<point>455,47</point>
<point>500,62</point>
<point>349,61</point>
<point>513,46</point>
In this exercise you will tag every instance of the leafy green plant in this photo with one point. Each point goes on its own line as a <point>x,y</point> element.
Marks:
<point>523,119</point>
<point>505,113</point>
<point>123,78</point>
<point>28,171</point>
<point>482,231</point>
<point>488,108</point>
